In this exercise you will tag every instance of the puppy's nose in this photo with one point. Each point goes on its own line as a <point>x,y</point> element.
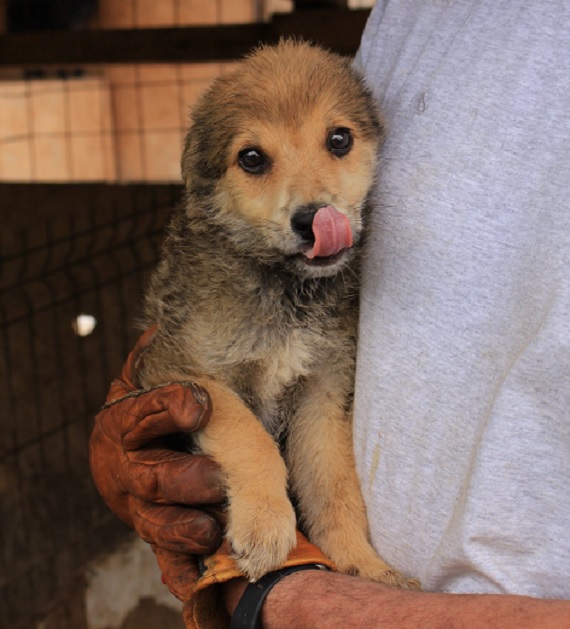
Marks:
<point>302,223</point>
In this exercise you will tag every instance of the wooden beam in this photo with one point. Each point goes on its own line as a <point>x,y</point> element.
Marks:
<point>337,29</point>
<point>320,4</point>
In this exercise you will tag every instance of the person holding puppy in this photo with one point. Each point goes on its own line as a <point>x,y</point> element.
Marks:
<point>462,427</point>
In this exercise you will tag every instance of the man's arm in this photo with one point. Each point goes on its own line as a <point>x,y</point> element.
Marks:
<point>327,600</point>
<point>331,600</point>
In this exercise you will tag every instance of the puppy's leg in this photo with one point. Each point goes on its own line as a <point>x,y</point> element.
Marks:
<point>323,476</point>
<point>261,523</point>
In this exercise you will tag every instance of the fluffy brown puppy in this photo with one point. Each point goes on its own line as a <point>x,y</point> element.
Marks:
<point>257,297</point>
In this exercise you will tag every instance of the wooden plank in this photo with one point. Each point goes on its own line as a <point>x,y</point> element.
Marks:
<point>311,4</point>
<point>336,29</point>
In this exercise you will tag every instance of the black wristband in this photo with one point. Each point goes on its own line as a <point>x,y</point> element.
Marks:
<point>247,614</point>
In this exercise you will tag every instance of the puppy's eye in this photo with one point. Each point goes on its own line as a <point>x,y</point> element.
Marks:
<point>253,161</point>
<point>339,141</point>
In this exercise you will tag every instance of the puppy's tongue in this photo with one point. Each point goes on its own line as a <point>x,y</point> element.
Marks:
<point>332,233</point>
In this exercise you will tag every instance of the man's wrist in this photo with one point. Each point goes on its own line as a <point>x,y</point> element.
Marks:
<point>283,601</point>
<point>306,599</point>
<point>247,612</point>
<point>283,606</point>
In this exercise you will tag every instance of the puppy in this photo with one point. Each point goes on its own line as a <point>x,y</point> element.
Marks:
<point>256,295</point>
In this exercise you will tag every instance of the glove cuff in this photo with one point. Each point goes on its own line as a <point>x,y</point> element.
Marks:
<point>206,609</point>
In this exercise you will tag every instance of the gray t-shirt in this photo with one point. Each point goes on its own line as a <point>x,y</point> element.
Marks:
<point>462,423</point>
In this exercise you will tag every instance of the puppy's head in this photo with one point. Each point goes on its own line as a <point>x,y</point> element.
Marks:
<point>282,153</point>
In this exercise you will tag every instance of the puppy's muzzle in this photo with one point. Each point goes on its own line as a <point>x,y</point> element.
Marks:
<point>324,231</point>
<point>302,222</point>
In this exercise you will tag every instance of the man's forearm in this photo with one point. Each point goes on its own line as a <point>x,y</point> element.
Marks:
<point>328,600</point>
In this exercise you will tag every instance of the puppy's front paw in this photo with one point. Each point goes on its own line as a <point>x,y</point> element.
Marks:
<point>262,532</point>
<point>365,563</point>
<point>382,573</point>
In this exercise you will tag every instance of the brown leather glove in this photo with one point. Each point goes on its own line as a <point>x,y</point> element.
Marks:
<point>144,482</point>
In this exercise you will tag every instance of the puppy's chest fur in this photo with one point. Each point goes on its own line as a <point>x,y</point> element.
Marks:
<point>272,379</point>
<point>264,332</point>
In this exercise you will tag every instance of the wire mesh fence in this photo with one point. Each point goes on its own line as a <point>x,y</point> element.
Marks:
<point>54,374</point>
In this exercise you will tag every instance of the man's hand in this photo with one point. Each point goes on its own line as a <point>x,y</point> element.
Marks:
<point>144,481</point>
